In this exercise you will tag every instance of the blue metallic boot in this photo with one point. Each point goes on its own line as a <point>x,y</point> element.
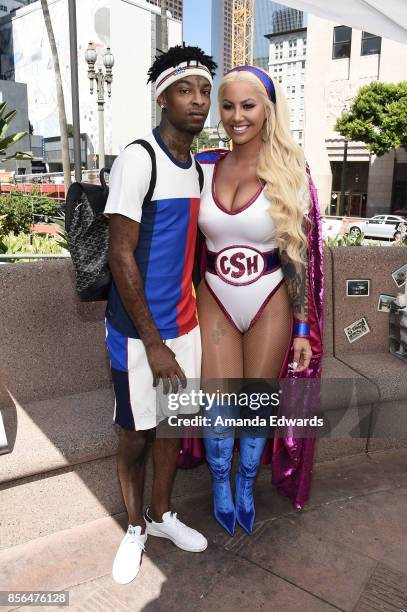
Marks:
<point>251,450</point>
<point>219,452</point>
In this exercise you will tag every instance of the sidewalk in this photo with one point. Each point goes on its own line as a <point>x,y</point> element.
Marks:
<point>347,551</point>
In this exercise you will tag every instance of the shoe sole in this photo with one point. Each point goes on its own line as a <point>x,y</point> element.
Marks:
<point>131,579</point>
<point>159,534</point>
<point>124,582</point>
<point>121,581</point>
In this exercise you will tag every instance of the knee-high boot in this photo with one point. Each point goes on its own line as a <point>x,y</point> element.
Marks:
<point>219,453</point>
<point>251,450</point>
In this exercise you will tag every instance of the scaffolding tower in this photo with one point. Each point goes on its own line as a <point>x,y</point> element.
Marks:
<point>242,32</point>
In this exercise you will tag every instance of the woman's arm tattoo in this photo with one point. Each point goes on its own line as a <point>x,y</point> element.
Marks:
<point>296,278</point>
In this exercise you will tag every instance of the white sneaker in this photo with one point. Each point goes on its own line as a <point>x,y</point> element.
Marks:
<point>127,561</point>
<point>173,529</point>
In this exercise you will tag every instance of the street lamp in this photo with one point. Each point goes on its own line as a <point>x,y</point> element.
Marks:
<point>343,173</point>
<point>101,78</point>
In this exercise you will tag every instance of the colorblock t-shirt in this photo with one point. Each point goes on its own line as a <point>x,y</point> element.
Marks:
<point>168,227</point>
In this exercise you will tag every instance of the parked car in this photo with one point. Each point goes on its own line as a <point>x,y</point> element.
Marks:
<point>400,213</point>
<point>379,226</point>
<point>331,227</point>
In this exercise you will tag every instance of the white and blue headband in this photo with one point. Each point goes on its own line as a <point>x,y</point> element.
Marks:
<point>173,74</point>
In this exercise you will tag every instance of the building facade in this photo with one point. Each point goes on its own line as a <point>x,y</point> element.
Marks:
<point>286,19</point>
<point>287,61</point>
<point>339,61</point>
<point>15,96</point>
<point>130,27</point>
<point>174,6</point>
<point>221,39</point>
<point>269,16</point>
<point>263,25</point>
<point>6,6</point>
<point>221,47</point>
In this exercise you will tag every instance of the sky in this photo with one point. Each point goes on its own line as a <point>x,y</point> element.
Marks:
<point>197,23</point>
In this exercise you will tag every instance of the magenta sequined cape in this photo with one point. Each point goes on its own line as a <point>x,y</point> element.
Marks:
<point>291,457</point>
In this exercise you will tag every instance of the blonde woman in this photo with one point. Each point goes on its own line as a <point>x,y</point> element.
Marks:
<point>253,302</point>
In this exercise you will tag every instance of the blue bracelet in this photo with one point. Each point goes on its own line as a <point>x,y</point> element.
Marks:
<point>301,328</point>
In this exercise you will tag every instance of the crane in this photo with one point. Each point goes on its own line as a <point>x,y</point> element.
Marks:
<point>242,32</point>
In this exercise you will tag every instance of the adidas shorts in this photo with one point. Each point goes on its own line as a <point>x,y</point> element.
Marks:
<point>138,404</point>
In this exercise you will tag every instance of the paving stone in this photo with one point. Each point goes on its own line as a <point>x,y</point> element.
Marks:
<point>327,569</point>
<point>248,587</point>
<point>343,551</point>
<point>372,525</point>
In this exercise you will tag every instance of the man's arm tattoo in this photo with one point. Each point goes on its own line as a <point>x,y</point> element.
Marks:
<point>296,278</point>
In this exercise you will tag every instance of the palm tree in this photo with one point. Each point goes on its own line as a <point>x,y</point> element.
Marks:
<point>8,141</point>
<point>66,164</point>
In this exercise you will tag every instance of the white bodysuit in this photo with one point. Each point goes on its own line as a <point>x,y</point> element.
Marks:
<point>243,266</point>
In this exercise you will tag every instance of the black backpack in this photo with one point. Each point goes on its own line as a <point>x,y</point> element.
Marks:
<point>88,230</point>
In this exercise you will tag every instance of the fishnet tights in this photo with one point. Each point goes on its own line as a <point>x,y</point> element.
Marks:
<point>258,353</point>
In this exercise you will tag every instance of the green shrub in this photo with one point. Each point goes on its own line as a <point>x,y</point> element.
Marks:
<point>345,240</point>
<point>42,204</point>
<point>62,236</point>
<point>17,209</point>
<point>15,213</point>
<point>24,243</point>
<point>45,206</point>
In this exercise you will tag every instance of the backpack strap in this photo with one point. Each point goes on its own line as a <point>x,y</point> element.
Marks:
<point>147,146</point>
<point>200,175</point>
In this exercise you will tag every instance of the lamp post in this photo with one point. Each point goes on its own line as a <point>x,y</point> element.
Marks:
<point>343,178</point>
<point>101,78</point>
<point>164,26</point>
<point>75,90</point>
<point>343,173</point>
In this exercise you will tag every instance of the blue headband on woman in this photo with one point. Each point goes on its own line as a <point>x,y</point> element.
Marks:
<point>262,75</point>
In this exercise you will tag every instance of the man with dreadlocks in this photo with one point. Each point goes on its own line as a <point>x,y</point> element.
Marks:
<point>152,332</point>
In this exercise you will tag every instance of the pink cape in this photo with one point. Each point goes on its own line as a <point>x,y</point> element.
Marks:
<point>290,456</point>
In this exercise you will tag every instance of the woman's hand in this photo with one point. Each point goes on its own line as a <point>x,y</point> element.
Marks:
<point>302,354</point>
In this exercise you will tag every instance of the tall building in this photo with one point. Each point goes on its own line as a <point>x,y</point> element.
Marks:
<point>221,46</point>
<point>221,33</point>
<point>6,6</point>
<point>174,6</point>
<point>15,96</point>
<point>286,19</point>
<point>264,18</point>
<point>130,28</point>
<point>287,59</point>
<point>221,37</point>
<point>263,24</point>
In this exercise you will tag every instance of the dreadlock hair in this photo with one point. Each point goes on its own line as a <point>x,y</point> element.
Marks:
<point>175,56</point>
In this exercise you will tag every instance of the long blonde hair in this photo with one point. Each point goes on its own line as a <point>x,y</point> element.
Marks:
<point>281,165</point>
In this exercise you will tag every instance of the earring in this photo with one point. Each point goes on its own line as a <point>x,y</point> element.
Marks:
<point>162,107</point>
<point>219,136</point>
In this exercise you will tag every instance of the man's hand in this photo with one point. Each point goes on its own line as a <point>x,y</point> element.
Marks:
<point>302,354</point>
<point>164,365</point>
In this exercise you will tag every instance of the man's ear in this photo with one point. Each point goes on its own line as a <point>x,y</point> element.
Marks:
<point>162,100</point>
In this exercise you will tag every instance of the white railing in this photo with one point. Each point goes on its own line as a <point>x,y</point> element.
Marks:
<point>8,256</point>
<point>49,178</point>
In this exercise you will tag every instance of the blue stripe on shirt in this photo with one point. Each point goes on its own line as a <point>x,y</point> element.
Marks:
<point>163,285</point>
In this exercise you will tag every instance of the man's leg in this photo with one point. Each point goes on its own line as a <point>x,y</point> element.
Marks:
<point>131,465</point>
<point>165,453</point>
<point>160,521</point>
